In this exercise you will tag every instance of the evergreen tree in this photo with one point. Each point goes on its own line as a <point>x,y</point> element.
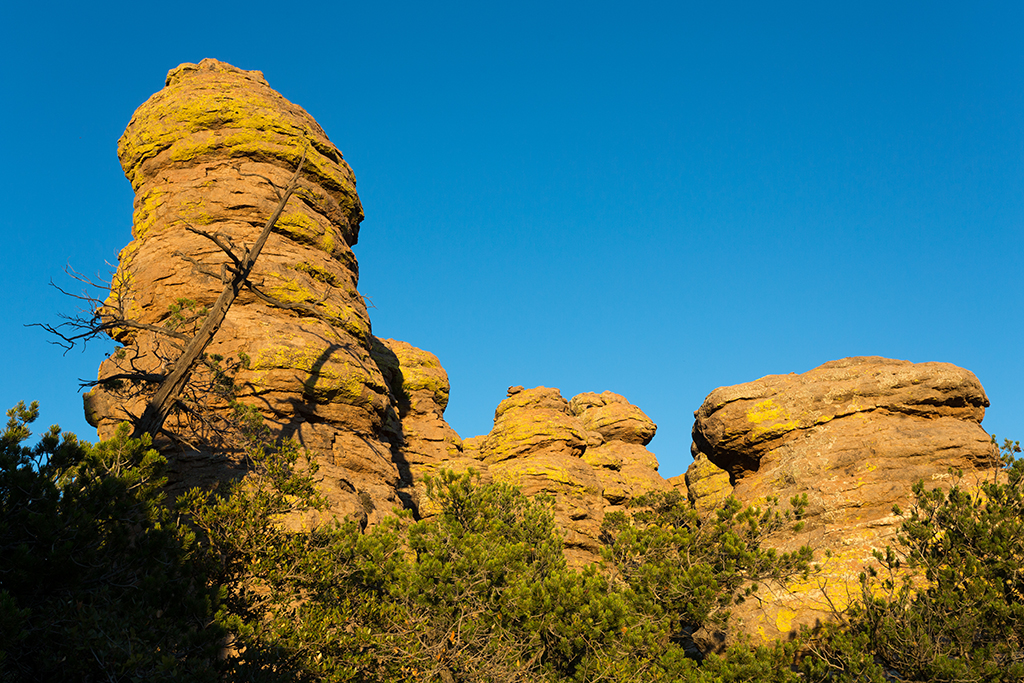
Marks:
<point>949,603</point>
<point>95,577</point>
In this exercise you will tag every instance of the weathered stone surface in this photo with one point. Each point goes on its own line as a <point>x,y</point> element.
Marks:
<point>536,444</point>
<point>209,152</point>
<point>530,422</point>
<point>588,454</point>
<point>471,446</point>
<point>678,483</point>
<point>854,435</point>
<point>422,442</point>
<point>613,417</point>
<point>707,485</point>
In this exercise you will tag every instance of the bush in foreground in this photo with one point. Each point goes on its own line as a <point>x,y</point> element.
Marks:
<point>102,579</point>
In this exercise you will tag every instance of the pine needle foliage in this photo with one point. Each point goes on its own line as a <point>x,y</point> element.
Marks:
<point>947,603</point>
<point>102,578</point>
<point>95,582</point>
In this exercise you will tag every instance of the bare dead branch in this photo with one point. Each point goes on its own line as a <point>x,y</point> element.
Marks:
<point>201,267</point>
<point>270,182</point>
<point>150,377</point>
<point>223,241</point>
<point>159,406</point>
<point>91,331</point>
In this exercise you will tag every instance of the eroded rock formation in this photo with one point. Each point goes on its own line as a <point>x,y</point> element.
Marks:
<point>588,454</point>
<point>853,435</point>
<point>210,152</point>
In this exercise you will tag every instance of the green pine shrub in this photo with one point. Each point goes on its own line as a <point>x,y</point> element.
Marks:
<point>101,578</point>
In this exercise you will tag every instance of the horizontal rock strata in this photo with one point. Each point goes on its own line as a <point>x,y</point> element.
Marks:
<point>853,435</point>
<point>210,153</point>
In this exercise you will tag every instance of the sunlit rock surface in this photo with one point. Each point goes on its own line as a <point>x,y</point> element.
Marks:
<point>588,454</point>
<point>211,151</point>
<point>853,435</point>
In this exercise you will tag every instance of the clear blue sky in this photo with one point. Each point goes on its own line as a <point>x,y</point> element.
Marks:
<point>652,198</point>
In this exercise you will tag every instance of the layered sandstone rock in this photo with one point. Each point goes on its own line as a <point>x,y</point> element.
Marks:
<point>211,152</point>
<point>853,435</point>
<point>588,454</point>
<point>537,444</point>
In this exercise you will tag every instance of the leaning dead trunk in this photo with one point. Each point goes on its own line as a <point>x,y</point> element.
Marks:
<point>160,406</point>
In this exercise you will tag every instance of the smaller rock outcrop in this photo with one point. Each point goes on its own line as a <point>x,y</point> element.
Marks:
<point>422,442</point>
<point>617,433</point>
<point>707,485</point>
<point>588,454</point>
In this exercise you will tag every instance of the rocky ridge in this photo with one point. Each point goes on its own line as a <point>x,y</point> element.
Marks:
<point>853,436</point>
<point>209,154</point>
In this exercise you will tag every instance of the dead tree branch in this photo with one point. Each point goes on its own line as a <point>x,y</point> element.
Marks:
<point>159,407</point>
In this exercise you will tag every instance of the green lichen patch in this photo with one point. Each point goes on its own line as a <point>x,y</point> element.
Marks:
<point>327,243</point>
<point>420,371</point>
<point>556,477</point>
<point>209,125</point>
<point>529,430</point>
<point>324,378</point>
<point>145,214</point>
<point>291,291</point>
<point>765,411</point>
<point>300,227</point>
<point>347,317</point>
<point>194,212</point>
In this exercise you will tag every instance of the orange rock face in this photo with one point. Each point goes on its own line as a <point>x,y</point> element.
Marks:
<point>853,435</point>
<point>588,454</point>
<point>210,152</point>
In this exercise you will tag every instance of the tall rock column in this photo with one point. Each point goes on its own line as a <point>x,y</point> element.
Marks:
<point>210,153</point>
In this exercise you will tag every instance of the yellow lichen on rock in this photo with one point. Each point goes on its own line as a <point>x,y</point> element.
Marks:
<point>326,379</point>
<point>850,437</point>
<point>769,419</point>
<point>214,109</point>
<point>210,153</point>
